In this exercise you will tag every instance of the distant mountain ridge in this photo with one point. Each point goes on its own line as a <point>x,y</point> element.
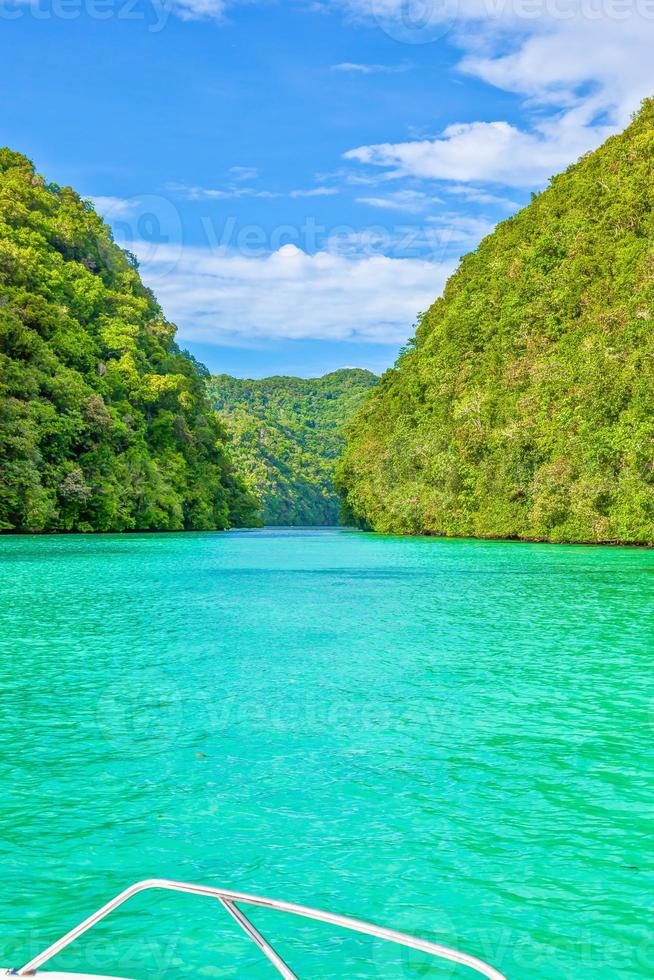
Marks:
<point>286,437</point>
<point>524,406</point>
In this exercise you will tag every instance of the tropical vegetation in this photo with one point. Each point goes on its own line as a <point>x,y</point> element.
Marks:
<point>104,423</point>
<point>287,435</point>
<point>524,405</point>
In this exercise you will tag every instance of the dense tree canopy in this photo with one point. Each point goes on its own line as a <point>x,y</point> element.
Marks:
<point>287,434</point>
<point>524,407</point>
<point>104,423</point>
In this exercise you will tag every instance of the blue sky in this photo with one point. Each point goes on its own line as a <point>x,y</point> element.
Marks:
<point>298,178</point>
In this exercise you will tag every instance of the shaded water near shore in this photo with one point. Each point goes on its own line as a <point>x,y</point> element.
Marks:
<point>448,737</point>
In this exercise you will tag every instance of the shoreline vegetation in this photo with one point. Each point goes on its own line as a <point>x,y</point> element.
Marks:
<point>523,408</point>
<point>428,535</point>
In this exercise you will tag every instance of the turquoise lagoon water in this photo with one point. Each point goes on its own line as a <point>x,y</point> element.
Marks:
<point>448,737</point>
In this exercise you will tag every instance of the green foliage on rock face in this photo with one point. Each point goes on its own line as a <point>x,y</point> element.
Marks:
<point>287,435</point>
<point>104,423</point>
<point>524,407</point>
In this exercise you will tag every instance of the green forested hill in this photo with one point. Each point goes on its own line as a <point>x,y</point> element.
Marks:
<point>287,434</point>
<point>104,423</point>
<point>524,407</point>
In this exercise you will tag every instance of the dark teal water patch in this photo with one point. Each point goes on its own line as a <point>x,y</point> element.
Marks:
<point>450,737</point>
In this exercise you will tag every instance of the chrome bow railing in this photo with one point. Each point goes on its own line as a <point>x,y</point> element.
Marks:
<point>228,899</point>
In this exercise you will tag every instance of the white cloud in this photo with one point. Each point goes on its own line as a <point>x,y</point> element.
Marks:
<point>494,152</point>
<point>477,196</point>
<point>224,297</point>
<point>587,56</point>
<point>194,193</point>
<point>348,176</point>
<point>198,9</point>
<point>459,229</point>
<point>114,207</point>
<point>412,202</point>
<point>582,66</point>
<point>315,192</point>
<point>365,69</point>
<point>243,173</point>
<point>441,239</point>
